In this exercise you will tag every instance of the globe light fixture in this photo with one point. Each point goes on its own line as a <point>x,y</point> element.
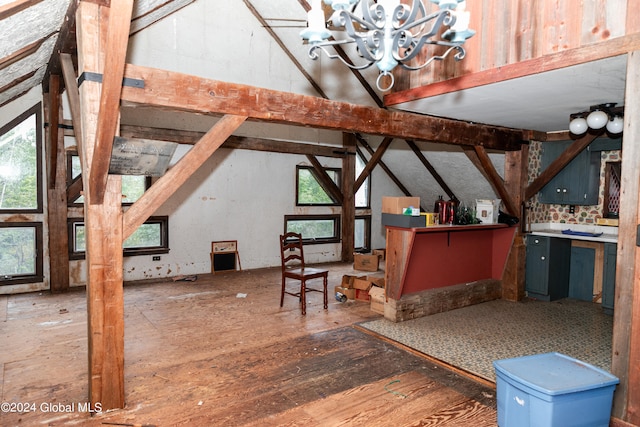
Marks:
<point>598,117</point>
<point>388,33</point>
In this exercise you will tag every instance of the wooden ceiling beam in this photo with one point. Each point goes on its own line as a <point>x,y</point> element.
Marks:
<point>325,181</point>
<point>22,53</point>
<point>431,170</point>
<point>15,7</point>
<point>372,163</point>
<point>497,182</point>
<point>180,92</point>
<point>234,141</point>
<point>73,95</point>
<point>109,113</point>
<point>171,181</point>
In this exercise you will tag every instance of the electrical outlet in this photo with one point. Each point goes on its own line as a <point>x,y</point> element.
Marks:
<point>572,209</point>
<point>156,258</point>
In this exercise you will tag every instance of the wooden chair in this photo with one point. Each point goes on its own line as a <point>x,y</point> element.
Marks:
<point>293,267</point>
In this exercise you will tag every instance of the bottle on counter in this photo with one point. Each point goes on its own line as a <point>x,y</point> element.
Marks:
<point>440,209</point>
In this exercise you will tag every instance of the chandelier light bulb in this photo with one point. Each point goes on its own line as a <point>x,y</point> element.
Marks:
<point>578,126</point>
<point>597,119</point>
<point>615,126</point>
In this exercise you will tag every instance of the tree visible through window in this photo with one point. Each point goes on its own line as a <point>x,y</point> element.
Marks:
<point>19,166</point>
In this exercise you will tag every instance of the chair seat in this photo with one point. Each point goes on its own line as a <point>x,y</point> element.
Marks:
<point>308,272</point>
<point>293,267</point>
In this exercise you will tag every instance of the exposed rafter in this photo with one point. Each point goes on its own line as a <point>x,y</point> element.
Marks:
<point>180,92</point>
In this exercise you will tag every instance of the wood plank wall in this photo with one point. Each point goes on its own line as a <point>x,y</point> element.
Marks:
<point>511,31</point>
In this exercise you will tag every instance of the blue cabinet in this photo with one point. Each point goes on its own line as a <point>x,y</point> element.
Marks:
<point>582,273</point>
<point>547,267</point>
<point>578,183</point>
<point>609,277</point>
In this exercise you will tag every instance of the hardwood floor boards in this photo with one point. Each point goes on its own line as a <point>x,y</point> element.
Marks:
<point>197,353</point>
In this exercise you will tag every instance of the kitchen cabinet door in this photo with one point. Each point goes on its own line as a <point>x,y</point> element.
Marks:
<point>577,183</point>
<point>581,273</point>
<point>547,267</point>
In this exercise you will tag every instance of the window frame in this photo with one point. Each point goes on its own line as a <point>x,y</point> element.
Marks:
<point>367,233</point>
<point>368,181</point>
<point>38,276</point>
<point>338,172</point>
<point>127,252</point>
<point>336,218</point>
<point>37,111</point>
<point>70,179</point>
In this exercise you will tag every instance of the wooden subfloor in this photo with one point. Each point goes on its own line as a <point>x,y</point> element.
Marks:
<point>201,353</point>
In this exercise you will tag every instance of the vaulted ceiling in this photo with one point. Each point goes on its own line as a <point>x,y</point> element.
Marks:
<point>33,30</point>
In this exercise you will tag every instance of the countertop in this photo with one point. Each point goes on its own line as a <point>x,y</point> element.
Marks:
<point>609,234</point>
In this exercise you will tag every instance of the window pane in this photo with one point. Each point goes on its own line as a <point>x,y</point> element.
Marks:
<point>310,192</point>
<point>313,229</point>
<point>19,166</point>
<point>79,238</point>
<point>146,236</point>
<point>133,187</point>
<point>17,251</point>
<point>359,236</point>
<point>362,196</point>
<point>150,235</point>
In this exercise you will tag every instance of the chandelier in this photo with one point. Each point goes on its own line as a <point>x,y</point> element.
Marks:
<point>388,33</point>
<point>598,117</point>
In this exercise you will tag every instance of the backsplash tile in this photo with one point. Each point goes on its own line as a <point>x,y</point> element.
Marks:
<point>544,213</point>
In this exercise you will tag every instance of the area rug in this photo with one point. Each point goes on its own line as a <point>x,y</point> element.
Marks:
<point>471,338</point>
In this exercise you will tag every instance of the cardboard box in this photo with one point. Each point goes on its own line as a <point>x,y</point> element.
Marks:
<point>366,262</point>
<point>349,292</point>
<point>380,252</point>
<point>406,221</point>
<point>430,218</point>
<point>396,205</point>
<point>376,281</point>
<point>347,281</point>
<point>362,283</point>
<point>362,295</point>
<point>377,297</point>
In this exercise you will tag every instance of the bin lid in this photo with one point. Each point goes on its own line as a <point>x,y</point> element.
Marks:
<point>554,373</point>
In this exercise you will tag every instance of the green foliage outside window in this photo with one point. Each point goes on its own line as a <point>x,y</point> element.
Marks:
<point>18,166</point>
<point>313,229</point>
<point>17,251</point>
<point>133,187</point>
<point>310,192</point>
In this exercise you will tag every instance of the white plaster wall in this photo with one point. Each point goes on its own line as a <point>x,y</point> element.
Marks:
<point>244,195</point>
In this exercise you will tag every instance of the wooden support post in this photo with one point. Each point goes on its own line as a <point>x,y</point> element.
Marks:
<point>515,172</point>
<point>103,225</point>
<point>57,194</point>
<point>348,197</point>
<point>625,358</point>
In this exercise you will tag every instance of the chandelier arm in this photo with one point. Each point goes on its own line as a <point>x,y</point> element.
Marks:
<point>314,55</point>
<point>458,56</point>
<point>400,40</point>
<point>441,17</point>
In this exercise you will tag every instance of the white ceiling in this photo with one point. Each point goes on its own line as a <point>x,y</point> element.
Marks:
<point>541,102</point>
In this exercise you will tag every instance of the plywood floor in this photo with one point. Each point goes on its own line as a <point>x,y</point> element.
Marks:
<point>198,353</point>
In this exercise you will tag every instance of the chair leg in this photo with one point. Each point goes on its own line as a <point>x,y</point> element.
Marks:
<point>303,297</point>
<point>282,294</point>
<point>326,302</point>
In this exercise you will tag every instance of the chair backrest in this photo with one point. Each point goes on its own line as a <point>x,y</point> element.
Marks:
<point>291,252</point>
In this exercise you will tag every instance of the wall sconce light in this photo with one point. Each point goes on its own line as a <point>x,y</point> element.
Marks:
<point>598,117</point>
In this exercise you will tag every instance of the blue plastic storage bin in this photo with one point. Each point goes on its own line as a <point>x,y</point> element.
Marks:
<point>552,390</point>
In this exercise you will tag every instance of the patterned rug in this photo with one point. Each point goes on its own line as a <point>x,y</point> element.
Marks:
<point>471,338</point>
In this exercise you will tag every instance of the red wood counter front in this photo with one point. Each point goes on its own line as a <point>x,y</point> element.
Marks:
<point>418,259</point>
